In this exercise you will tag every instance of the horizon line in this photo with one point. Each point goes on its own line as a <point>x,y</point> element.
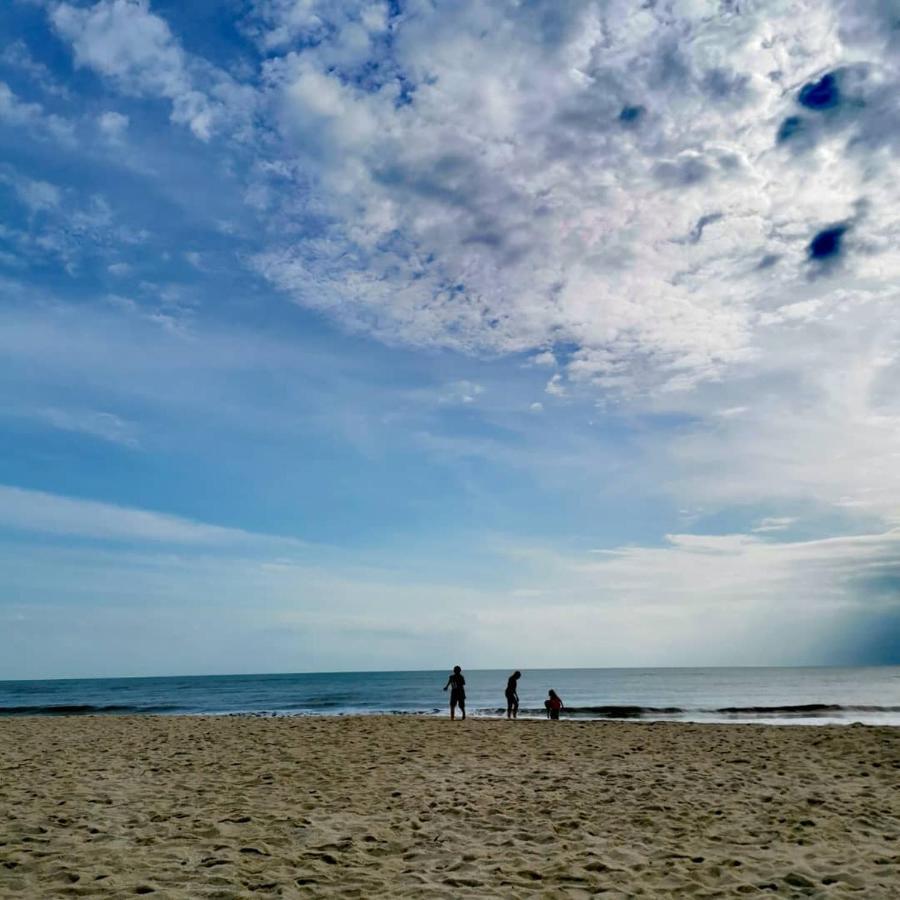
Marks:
<point>432,671</point>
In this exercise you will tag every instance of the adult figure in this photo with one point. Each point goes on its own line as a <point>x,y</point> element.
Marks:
<point>512,695</point>
<point>457,685</point>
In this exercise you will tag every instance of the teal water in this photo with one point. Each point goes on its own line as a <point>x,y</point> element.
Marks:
<point>775,695</point>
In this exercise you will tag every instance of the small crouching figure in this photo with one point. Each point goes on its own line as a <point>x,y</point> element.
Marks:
<point>553,704</point>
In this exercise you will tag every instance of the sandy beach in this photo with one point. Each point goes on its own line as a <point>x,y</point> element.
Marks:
<point>420,807</point>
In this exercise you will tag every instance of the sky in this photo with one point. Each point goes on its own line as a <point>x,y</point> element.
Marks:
<point>394,335</point>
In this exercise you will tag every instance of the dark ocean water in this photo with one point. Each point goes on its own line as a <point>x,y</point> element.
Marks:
<point>800,696</point>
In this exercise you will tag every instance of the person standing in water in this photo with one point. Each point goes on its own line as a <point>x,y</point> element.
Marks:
<point>457,685</point>
<point>512,695</point>
<point>553,704</point>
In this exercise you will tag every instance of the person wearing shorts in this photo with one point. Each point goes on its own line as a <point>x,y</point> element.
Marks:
<point>457,685</point>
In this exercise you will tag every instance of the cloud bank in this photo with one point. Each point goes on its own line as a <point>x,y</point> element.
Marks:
<point>643,193</point>
<point>288,605</point>
<point>620,185</point>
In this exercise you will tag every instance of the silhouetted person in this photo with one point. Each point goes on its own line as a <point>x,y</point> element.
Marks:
<point>512,695</point>
<point>553,704</point>
<point>457,685</point>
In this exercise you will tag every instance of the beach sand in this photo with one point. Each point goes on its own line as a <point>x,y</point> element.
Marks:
<point>422,807</point>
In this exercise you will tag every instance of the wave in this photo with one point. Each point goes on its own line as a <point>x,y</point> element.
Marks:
<point>803,710</point>
<point>595,712</point>
<point>608,711</point>
<point>84,709</point>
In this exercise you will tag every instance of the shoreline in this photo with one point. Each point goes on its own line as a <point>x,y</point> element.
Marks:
<point>378,806</point>
<point>785,721</point>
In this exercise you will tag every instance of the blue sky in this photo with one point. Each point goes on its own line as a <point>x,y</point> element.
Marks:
<point>391,335</point>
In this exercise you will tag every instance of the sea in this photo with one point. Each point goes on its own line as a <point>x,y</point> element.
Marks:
<point>783,696</point>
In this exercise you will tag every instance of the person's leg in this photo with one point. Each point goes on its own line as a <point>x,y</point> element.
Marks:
<point>452,710</point>
<point>462,708</point>
<point>515,709</point>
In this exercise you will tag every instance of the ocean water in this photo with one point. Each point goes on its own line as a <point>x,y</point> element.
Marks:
<point>768,695</point>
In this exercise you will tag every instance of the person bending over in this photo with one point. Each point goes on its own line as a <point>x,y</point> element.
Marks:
<point>457,685</point>
<point>512,695</point>
<point>553,704</point>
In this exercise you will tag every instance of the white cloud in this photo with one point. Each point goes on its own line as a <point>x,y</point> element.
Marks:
<point>461,392</point>
<point>759,601</point>
<point>819,420</point>
<point>32,117</point>
<point>609,182</point>
<point>546,358</point>
<point>124,40</point>
<point>103,425</point>
<point>519,177</point>
<point>555,387</point>
<point>17,55</point>
<point>774,523</point>
<point>351,26</point>
<point>113,124</point>
<point>64,226</point>
<point>36,195</point>
<point>43,513</point>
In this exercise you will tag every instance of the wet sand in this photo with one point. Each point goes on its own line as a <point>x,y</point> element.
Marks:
<point>419,807</point>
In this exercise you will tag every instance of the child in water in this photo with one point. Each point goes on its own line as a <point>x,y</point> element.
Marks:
<point>553,704</point>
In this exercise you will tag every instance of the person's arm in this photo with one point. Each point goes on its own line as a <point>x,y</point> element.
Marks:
<point>448,682</point>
